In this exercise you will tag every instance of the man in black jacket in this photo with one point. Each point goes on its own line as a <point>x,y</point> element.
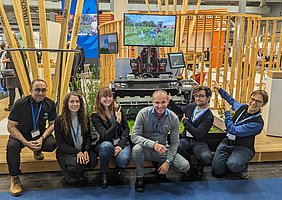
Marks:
<point>197,120</point>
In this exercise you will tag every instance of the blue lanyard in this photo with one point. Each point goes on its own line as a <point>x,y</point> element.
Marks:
<point>75,134</point>
<point>33,115</point>
<point>199,116</point>
<point>237,122</point>
<point>153,120</point>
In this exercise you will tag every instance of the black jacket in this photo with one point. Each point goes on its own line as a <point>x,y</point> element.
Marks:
<point>198,129</point>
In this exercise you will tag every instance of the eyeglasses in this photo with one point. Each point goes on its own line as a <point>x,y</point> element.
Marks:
<point>199,95</point>
<point>256,100</point>
<point>43,90</point>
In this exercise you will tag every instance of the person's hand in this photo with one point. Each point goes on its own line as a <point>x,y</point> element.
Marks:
<point>183,117</point>
<point>30,145</point>
<point>38,144</point>
<point>117,150</point>
<point>227,106</point>
<point>86,157</point>
<point>80,158</point>
<point>118,115</point>
<point>216,85</point>
<point>163,169</point>
<point>161,149</point>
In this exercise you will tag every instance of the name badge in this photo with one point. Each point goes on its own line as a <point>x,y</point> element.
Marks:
<point>35,133</point>
<point>115,141</point>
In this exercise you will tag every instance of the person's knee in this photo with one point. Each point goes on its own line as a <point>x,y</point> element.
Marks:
<point>137,151</point>
<point>106,148</point>
<point>234,166</point>
<point>183,166</point>
<point>206,159</point>
<point>13,145</point>
<point>217,169</point>
<point>49,144</point>
<point>123,160</point>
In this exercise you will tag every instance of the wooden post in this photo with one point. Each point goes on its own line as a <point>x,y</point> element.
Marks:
<point>62,45</point>
<point>195,47</point>
<point>160,6</point>
<point>29,36</point>
<point>226,56</point>
<point>273,44</point>
<point>279,51</point>
<point>203,53</point>
<point>183,19</point>
<point>265,45</point>
<point>240,57</point>
<point>69,63</point>
<point>148,6</point>
<point>166,7</point>
<point>16,56</point>
<point>211,54</point>
<point>44,42</point>
<point>174,6</point>
<point>234,53</point>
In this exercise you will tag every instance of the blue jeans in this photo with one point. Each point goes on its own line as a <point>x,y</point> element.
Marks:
<point>106,152</point>
<point>201,150</point>
<point>234,158</point>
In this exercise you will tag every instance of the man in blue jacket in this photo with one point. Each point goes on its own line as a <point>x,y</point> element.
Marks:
<point>237,148</point>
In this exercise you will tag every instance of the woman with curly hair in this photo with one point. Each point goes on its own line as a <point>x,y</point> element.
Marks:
<point>111,124</point>
<point>72,131</point>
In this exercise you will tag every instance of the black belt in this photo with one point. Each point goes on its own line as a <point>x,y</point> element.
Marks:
<point>229,142</point>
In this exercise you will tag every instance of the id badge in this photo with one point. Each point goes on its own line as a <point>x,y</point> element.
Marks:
<point>115,141</point>
<point>35,133</point>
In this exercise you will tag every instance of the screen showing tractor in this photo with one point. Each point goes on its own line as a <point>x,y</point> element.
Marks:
<point>149,30</point>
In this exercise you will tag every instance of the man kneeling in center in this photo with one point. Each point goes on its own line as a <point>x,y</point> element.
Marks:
<point>150,135</point>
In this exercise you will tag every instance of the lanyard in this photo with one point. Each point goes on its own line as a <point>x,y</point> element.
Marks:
<point>193,119</point>
<point>33,115</point>
<point>75,134</point>
<point>237,122</point>
<point>153,120</point>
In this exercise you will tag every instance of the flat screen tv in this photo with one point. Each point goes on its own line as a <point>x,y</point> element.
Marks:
<point>109,43</point>
<point>149,30</point>
<point>176,60</point>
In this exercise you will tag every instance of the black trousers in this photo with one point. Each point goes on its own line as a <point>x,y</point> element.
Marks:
<point>14,148</point>
<point>73,166</point>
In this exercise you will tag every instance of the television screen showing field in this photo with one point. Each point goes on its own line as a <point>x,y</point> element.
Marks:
<point>108,44</point>
<point>149,30</point>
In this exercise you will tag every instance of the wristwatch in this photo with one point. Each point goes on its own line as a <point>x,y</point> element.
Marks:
<point>42,136</point>
<point>168,161</point>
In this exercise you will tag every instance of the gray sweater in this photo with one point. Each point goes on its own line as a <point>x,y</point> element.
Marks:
<point>148,130</point>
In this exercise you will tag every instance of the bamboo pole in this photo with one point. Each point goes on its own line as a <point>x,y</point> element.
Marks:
<point>166,7</point>
<point>16,56</point>
<point>174,6</point>
<point>234,53</point>
<point>265,45</point>
<point>203,54</point>
<point>211,54</point>
<point>272,46</point>
<point>148,6</point>
<point>62,45</point>
<point>30,38</point>
<point>69,63</point>
<point>240,57</point>
<point>183,19</point>
<point>246,61</point>
<point>44,42</point>
<point>195,17</point>
<point>279,51</point>
<point>226,55</point>
<point>195,49</point>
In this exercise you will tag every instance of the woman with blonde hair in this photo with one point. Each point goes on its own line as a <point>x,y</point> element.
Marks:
<point>111,124</point>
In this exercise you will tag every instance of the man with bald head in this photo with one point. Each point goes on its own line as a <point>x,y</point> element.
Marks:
<point>27,128</point>
<point>150,133</point>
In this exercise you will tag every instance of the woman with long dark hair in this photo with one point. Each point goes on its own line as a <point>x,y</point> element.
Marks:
<point>111,124</point>
<point>72,131</point>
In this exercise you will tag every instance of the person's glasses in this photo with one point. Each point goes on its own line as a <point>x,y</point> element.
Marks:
<point>43,90</point>
<point>199,95</point>
<point>256,100</point>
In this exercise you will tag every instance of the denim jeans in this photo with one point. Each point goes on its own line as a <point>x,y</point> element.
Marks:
<point>14,148</point>
<point>140,154</point>
<point>106,152</point>
<point>234,158</point>
<point>201,150</point>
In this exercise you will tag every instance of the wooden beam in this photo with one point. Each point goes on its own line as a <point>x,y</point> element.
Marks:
<point>44,43</point>
<point>194,20</point>
<point>160,6</point>
<point>62,45</point>
<point>16,56</point>
<point>211,54</point>
<point>174,6</point>
<point>166,7</point>
<point>265,47</point>
<point>279,50</point>
<point>234,56</point>
<point>30,38</point>
<point>69,63</point>
<point>203,53</point>
<point>226,55</point>
<point>183,19</point>
<point>273,44</point>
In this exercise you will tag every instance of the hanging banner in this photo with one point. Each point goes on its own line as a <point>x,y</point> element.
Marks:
<point>88,32</point>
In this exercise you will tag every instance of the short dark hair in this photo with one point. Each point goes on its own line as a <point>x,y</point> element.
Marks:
<point>37,79</point>
<point>207,90</point>
<point>263,94</point>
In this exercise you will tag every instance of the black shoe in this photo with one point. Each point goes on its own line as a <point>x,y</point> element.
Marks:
<point>139,185</point>
<point>160,177</point>
<point>104,181</point>
<point>70,177</point>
